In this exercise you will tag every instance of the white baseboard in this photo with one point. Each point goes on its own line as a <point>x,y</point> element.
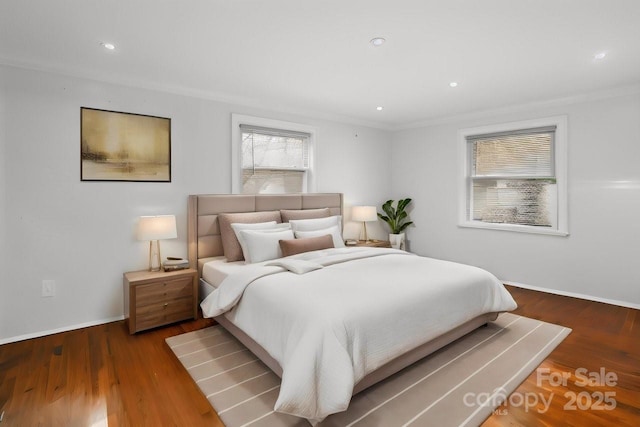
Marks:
<point>516,284</point>
<point>58,330</point>
<point>574,295</point>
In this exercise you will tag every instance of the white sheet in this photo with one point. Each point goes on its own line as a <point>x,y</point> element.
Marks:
<point>330,327</point>
<point>216,270</point>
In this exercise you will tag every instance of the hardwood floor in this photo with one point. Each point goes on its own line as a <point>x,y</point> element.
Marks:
<point>103,376</point>
<point>603,336</point>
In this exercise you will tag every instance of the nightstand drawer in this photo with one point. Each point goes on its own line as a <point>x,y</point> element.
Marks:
<point>167,307</point>
<point>163,291</point>
<point>154,319</point>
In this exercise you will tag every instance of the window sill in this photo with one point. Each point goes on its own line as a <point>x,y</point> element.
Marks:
<point>513,227</point>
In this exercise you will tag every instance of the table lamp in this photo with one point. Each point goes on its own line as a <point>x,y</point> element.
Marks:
<point>364,214</point>
<point>154,229</point>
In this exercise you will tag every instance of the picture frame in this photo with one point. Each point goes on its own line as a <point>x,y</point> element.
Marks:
<point>128,147</point>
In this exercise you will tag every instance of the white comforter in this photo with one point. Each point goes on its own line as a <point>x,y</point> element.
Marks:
<point>353,311</point>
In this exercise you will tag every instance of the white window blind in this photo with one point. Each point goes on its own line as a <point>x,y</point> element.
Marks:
<point>274,160</point>
<point>512,177</point>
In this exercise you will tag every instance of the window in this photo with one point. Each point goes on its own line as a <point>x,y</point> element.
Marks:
<point>271,157</point>
<point>515,177</point>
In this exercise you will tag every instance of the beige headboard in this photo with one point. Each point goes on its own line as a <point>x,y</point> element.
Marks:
<point>203,232</point>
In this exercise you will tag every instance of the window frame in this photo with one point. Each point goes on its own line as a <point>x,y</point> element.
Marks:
<point>559,158</point>
<point>236,147</point>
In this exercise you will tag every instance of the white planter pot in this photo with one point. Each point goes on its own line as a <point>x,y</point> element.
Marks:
<point>397,241</point>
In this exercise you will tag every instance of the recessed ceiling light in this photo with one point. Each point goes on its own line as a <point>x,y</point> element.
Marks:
<point>453,84</point>
<point>599,55</point>
<point>379,108</point>
<point>108,46</point>
<point>377,41</point>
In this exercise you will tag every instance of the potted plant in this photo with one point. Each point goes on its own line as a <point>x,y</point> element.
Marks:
<point>397,219</point>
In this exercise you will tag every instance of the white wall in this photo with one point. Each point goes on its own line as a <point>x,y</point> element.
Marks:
<point>81,234</point>
<point>598,259</point>
<point>3,180</point>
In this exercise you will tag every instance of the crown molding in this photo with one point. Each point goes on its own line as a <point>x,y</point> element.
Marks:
<point>516,108</point>
<point>225,98</point>
<point>255,103</point>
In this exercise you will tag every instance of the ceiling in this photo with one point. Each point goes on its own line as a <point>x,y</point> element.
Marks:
<point>314,57</point>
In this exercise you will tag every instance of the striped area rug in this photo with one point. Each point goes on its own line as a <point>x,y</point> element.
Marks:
<point>440,390</point>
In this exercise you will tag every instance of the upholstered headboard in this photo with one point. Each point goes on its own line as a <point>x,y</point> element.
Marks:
<point>204,239</point>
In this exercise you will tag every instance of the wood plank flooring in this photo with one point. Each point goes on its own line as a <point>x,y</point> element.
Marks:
<point>102,376</point>
<point>604,336</point>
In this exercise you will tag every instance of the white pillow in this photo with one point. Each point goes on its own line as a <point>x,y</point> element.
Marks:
<point>334,231</point>
<point>270,225</point>
<point>237,226</point>
<point>316,223</point>
<point>263,245</point>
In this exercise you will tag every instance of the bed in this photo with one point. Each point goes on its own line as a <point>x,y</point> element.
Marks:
<point>357,316</point>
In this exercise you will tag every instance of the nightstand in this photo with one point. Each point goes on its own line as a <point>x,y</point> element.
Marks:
<point>156,298</point>
<point>374,243</point>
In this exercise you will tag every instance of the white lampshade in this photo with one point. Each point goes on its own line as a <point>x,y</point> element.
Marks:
<point>157,227</point>
<point>364,213</point>
<point>154,229</point>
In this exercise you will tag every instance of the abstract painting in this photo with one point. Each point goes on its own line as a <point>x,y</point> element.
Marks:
<point>119,146</point>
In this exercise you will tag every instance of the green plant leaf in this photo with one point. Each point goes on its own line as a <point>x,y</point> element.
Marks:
<point>403,204</point>
<point>383,217</point>
<point>404,226</point>
<point>388,209</point>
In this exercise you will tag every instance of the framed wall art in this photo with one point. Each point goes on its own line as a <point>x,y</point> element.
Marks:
<point>116,146</point>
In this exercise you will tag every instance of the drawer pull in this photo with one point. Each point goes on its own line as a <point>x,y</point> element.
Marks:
<point>166,304</point>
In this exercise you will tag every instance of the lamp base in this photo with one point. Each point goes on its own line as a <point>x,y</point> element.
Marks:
<point>366,238</point>
<point>154,255</point>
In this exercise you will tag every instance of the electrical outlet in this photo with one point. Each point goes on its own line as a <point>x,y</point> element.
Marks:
<point>48,288</point>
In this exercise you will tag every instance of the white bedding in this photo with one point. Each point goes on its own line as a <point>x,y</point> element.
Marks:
<point>217,269</point>
<point>330,327</point>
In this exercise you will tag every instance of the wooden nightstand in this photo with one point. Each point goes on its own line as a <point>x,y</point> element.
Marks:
<point>374,243</point>
<point>157,298</point>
